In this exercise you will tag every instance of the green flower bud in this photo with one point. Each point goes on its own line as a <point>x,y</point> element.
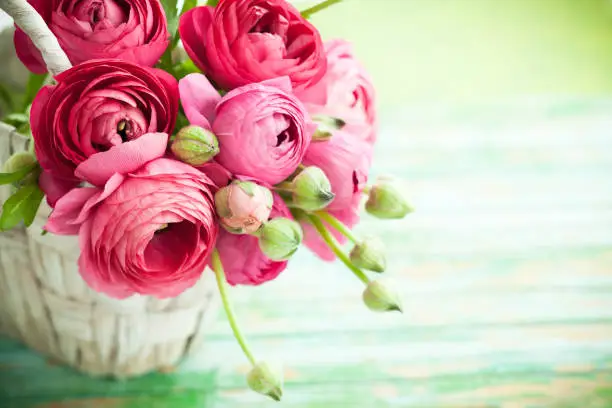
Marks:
<point>369,254</point>
<point>279,238</point>
<point>263,380</point>
<point>311,190</point>
<point>386,201</point>
<point>379,297</point>
<point>195,145</point>
<point>19,161</point>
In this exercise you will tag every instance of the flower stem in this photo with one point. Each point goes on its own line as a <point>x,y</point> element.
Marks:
<point>335,247</point>
<point>229,311</point>
<point>212,3</point>
<point>318,7</point>
<point>337,225</point>
<point>366,190</point>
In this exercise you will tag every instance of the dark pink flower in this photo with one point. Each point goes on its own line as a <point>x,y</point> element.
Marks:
<point>130,30</point>
<point>244,41</point>
<point>102,107</point>
<point>149,232</point>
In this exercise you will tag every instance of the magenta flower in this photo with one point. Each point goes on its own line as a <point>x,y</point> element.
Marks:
<point>262,129</point>
<point>130,30</point>
<point>244,41</point>
<point>96,107</point>
<point>149,232</point>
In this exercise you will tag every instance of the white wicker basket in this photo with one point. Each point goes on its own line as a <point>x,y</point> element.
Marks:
<point>46,304</point>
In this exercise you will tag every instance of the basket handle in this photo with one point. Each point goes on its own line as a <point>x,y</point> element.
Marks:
<point>28,19</point>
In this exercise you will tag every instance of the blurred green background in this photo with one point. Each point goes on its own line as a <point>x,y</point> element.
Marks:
<point>473,50</point>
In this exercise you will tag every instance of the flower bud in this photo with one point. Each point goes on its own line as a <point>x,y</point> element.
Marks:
<point>369,254</point>
<point>380,297</point>
<point>386,201</point>
<point>279,238</point>
<point>243,206</point>
<point>19,161</point>
<point>311,190</point>
<point>265,381</point>
<point>195,145</point>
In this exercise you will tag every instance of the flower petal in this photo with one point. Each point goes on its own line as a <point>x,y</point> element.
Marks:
<point>122,159</point>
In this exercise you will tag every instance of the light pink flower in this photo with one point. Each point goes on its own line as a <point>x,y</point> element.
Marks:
<point>150,231</point>
<point>243,206</point>
<point>263,130</point>
<point>244,41</point>
<point>131,30</point>
<point>346,92</point>
<point>243,261</point>
<point>346,163</point>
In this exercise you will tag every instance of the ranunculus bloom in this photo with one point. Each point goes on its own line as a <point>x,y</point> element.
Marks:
<point>243,261</point>
<point>346,92</point>
<point>346,162</point>
<point>131,30</point>
<point>149,232</point>
<point>244,41</point>
<point>95,107</point>
<point>263,130</point>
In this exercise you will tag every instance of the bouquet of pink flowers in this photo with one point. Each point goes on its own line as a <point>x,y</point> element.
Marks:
<point>231,151</point>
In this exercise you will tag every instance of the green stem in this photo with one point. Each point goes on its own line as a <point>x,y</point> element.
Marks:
<point>366,190</point>
<point>284,186</point>
<point>318,7</point>
<point>337,225</point>
<point>335,247</point>
<point>212,3</point>
<point>222,284</point>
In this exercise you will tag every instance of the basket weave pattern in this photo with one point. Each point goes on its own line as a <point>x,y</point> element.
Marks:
<point>46,304</point>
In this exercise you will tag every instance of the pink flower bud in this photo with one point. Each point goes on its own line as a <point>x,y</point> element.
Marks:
<point>243,206</point>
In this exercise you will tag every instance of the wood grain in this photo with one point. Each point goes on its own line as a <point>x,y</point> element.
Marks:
<point>505,270</point>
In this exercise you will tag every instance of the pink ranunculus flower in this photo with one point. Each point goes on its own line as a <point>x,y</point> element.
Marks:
<point>263,130</point>
<point>346,162</point>
<point>131,30</point>
<point>243,261</point>
<point>346,92</point>
<point>148,232</point>
<point>244,41</point>
<point>95,107</point>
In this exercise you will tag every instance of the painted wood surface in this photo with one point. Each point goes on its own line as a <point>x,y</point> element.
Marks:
<point>505,271</point>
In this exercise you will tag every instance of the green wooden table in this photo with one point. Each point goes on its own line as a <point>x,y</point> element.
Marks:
<point>505,270</point>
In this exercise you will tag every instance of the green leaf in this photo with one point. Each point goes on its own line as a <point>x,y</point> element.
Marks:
<point>185,68</point>
<point>212,3</point>
<point>187,5</point>
<point>8,178</point>
<point>171,9</point>
<point>16,119</point>
<point>22,205</point>
<point>6,100</point>
<point>34,84</point>
<point>33,203</point>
